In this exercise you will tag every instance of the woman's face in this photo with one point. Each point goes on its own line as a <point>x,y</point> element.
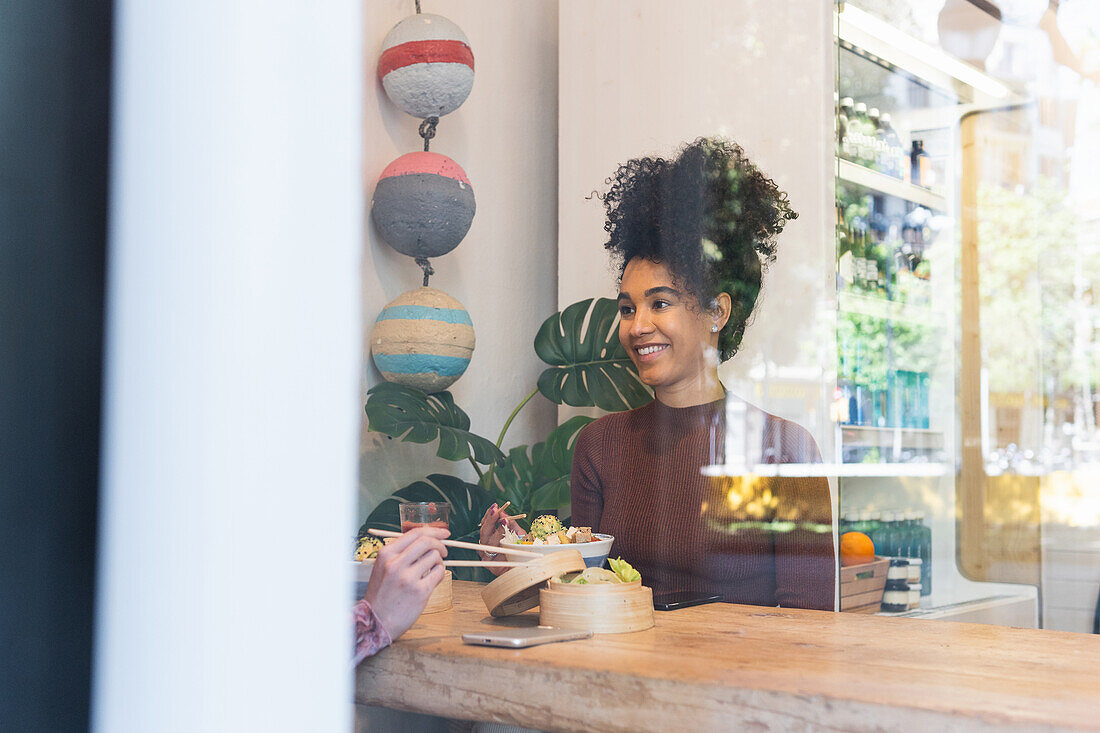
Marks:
<point>669,338</point>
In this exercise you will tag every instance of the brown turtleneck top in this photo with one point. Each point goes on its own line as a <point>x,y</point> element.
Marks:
<point>636,476</point>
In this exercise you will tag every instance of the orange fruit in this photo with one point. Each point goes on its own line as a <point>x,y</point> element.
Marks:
<point>856,548</point>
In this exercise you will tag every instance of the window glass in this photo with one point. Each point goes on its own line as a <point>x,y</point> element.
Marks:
<point>919,358</point>
<point>967,325</point>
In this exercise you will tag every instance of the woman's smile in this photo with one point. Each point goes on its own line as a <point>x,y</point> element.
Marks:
<point>649,352</point>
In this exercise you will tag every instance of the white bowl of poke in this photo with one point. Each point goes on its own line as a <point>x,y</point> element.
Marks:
<point>549,535</point>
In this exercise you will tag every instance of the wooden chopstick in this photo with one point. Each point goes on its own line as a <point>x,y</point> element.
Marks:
<point>506,505</point>
<point>465,545</point>
<point>509,516</point>
<point>482,564</point>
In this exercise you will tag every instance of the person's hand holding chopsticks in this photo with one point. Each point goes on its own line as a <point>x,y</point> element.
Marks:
<point>405,574</point>
<point>492,531</point>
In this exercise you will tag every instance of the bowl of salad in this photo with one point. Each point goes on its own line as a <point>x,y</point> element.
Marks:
<point>548,535</point>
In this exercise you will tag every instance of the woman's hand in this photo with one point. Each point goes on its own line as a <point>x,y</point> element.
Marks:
<point>405,574</point>
<point>492,532</point>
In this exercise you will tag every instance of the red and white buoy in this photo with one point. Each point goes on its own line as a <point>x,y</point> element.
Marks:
<point>426,67</point>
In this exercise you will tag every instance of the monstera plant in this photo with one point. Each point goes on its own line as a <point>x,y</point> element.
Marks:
<point>586,367</point>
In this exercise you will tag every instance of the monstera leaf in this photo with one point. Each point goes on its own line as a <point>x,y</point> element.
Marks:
<point>588,365</point>
<point>540,482</point>
<point>417,417</point>
<point>468,504</point>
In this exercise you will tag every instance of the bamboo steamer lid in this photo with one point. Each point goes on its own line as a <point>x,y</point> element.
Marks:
<point>441,597</point>
<point>611,608</point>
<point>517,590</point>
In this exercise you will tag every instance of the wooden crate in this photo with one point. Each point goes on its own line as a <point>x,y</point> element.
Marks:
<point>861,586</point>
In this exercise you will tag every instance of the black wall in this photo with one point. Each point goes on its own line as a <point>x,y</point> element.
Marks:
<point>55,64</point>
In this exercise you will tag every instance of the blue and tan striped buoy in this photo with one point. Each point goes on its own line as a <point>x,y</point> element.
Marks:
<point>423,339</point>
<point>423,204</point>
<point>426,66</point>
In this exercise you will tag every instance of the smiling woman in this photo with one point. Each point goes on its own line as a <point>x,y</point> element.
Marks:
<point>693,235</point>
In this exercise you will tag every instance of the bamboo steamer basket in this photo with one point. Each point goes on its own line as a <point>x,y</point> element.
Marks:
<point>517,590</point>
<point>441,597</point>
<point>602,608</point>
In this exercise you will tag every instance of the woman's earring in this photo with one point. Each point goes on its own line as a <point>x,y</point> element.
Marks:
<point>714,328</point>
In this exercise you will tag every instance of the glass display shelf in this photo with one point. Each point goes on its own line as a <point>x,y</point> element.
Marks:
<point>869,436</point>
<point>830,470</point>
<point>892,310</point>
<point>877,182</point>
<point>896,442</point>
<point>883,44</point>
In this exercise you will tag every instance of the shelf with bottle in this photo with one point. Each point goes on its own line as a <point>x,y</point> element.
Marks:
<point>871,152</point>
<point>911,439</point>
<point>874,307</point>
<point>884,184</point>
<point>883,254</point>
<point>876,412</point>
<point>883,399</point>
<point>896,534</point>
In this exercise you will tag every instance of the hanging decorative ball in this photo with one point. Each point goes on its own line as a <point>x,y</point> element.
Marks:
<point>423,204</point>
<point>426,67</point>
<point>423,339</point>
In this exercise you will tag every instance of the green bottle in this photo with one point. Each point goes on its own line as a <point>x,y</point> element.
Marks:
<point>879,536</point>
<point>874,525</point>
<point>875,139</point>
<point>923,544</point>
<point>905,535</point>
<point>863,133</point>
<point>844,116</point>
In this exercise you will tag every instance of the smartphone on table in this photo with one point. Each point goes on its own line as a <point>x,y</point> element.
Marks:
<point>682,599</point>
<point>513,638</point>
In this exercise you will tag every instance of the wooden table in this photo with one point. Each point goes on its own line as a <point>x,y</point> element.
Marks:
<point>725,667</point>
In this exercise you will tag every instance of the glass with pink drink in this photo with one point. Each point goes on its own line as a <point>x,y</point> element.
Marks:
<point>424,513</point>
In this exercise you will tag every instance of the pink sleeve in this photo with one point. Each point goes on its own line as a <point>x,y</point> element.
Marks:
<point>370,635</point>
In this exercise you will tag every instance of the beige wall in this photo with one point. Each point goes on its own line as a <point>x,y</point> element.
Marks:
<point>505,137</point>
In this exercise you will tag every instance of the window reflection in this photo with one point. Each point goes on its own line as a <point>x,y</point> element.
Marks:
<point>1014,266</point>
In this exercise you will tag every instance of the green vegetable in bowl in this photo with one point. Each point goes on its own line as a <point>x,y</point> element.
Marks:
<point>545,525</point>
<point>624,573</point>
<point>596,575</point>
<point>590,576</point>
<point>624,570</point>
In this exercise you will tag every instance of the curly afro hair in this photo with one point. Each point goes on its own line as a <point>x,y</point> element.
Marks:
<point>709,215</point>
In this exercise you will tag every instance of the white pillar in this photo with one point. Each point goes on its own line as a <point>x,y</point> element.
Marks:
<point>231,400</point>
